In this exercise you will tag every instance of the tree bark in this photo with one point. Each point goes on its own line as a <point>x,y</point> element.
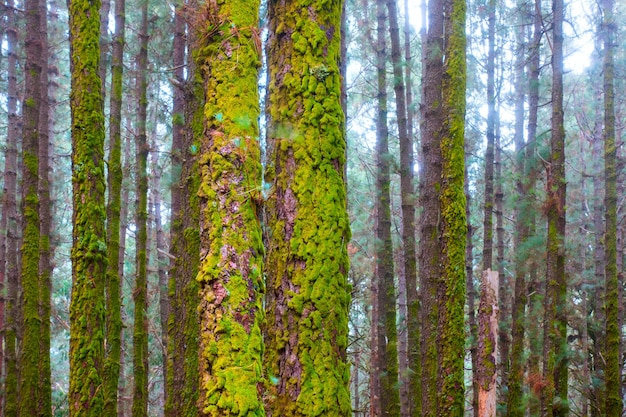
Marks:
<point>89,249</point>
<point>115,256</point>
<point>486,373</point>
<point>307,223</point>
<point>140,292</point>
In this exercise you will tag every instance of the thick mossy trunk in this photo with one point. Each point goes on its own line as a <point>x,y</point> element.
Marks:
<point>89,243</point>
<point>30,395</point>
<point>451,289</point>
<point>231,244</point>
<point>114,183</point>
<point>140,293</point>
<point>307,222</point>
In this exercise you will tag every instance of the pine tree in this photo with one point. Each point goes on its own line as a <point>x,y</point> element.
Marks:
<point>307,223</point>
<point>231,247</point>
<point>89,248</point>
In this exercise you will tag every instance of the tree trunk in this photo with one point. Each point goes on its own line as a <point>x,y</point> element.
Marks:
<point>451,285</point>
<point>140,292</point>
<point>387,337</point>
<point>486,373</point>
<point>307,223</point>
<point>89,248</point>
<point>115,257</point>
<point>613,397</point>
<point>407,192</point>
<point>11,220</point>
<point>429,223</point>
<point>184,326</point>
<point>554,396</point>
<point>414,390</point>
<point>231,247</point>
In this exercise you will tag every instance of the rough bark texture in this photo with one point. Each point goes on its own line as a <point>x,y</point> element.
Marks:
<point>307,223</point>
<point>429,186</point>
<point>451,285</point>
<point>486,371</point>
<point>29,393</point>
<point>231,245</point>
<point>11,219</point>
<point>554,395</point>
<point>183,326</point>
<point>115,266</point>
<point>140,292</point>
<point>89,248</point>
<point>387,337</point>
<point>614,404</point>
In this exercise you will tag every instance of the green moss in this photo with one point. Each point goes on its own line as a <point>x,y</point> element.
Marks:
<point>307,222</point>
<point>88,265</point>
<point>230,278</point>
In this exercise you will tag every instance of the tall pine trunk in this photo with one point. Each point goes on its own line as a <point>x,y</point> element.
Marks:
<point>115,266</point>
<point>554,396</point>
<point>140,292</point>
<point>89,248</point>
<point>307,222</point>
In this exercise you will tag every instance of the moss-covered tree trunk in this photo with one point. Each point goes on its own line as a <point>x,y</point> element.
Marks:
<point>554,396</point>
<point>45,220</point>
<point>231,246</point>
<point>429,187</point>
<point>89,248</point>
<point>183,325</point>
<point>451,288</point>
<point>386,358</point>
<point>29,393</point>
<point>113,231</point>
<point>307,223</point>
<point>614,405</point>
<point>140,292</point>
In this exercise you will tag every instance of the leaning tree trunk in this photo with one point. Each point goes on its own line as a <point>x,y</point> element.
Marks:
<point>307,222</point>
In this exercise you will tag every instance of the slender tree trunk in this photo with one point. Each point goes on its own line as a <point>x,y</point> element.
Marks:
<point>45,222</point>
<point>140,292</point>
<point>514,402</point>
<point>535,289</point>
<point>486,374</point>
<point>89,249</point>
<point>184,326</point>
<point>414,390</point>
<point>554,396</point>
<point>30,395</point>
<point>115,266</point>
<point>10,219</point>
<point>429,223</point>
<point>407,191</point>
<point>307,223</point>
<point>451,285</point>
<point>387,337</point>
<point>614,405</point>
